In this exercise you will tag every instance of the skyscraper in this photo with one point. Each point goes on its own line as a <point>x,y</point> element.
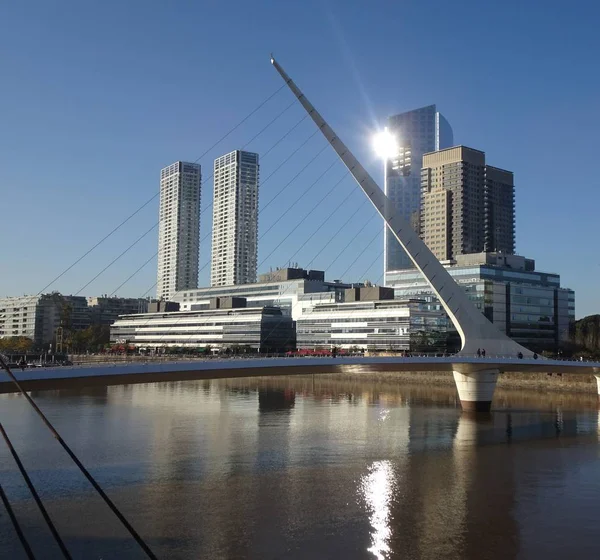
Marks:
<point>235,219</point>
<point>467,206</point>
<point>179,228</point>
<point>417,132</point>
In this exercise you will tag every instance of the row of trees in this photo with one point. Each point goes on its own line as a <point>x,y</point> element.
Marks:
<point>92,339</point>
<point>16,344</point>
<point>585,337</point>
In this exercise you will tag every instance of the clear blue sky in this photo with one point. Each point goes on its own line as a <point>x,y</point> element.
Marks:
<point>96,97</point>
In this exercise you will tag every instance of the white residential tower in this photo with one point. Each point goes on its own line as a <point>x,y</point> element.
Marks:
<point>235,219</point>
<point>179,228</point>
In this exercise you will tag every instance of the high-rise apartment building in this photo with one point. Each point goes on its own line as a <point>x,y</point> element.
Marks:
<point>235,219</point>
<point>466,205</point>
<point>417,132</point>
<point>179,228</point>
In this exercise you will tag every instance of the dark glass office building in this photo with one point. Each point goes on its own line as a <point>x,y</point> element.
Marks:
<point>417,132</point>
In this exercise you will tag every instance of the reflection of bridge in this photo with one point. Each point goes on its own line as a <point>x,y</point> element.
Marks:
<point>472,395</point>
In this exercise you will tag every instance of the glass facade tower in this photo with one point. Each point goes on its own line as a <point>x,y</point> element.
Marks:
<point>417,132</point>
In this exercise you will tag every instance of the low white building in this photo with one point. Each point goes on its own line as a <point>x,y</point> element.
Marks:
<point>383,325</point>
<point>264,329</point>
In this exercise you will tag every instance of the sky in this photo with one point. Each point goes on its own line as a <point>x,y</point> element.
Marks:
<point>97,97</point>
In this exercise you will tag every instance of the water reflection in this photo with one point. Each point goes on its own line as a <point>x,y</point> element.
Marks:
<point>311,467</point>
<point>377,488</point>
<point>276,400</point>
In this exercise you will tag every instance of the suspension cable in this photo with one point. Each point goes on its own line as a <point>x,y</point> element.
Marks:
<point>240,123</point>
<point>347,269</point>
<point>16,525</point>
<point>34,493</point>
<point>210,205</point>
<point>79,464</point>
<point>117,258</point>
<point>153,197</point>
<point>306,216</point>
<point>132,275</point>
<point>322,224</point>
<point>283,214</point>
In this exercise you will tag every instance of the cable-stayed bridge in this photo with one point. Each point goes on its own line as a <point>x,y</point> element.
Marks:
<point>475,379</point>
<point>214,368</point>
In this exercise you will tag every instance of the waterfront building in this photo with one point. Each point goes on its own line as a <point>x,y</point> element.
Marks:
<point>416,132</point>
<point>235,219</point>
<point>38,317</point>
<point>264,329</point>
<point>293,290</point>
<point>19,316</point>
<point>528,305</point>
<point>372,325</point>
<point>105,310</point>
<point>179,228</point>
<point>466,206</point>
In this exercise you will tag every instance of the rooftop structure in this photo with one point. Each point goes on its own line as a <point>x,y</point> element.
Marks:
<point>294,291</point>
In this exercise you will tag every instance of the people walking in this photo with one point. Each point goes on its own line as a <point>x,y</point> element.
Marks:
<point>483,352</point>
<point>479,352</point>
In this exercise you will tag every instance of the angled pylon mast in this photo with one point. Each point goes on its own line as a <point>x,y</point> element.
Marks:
<point>474,328</point>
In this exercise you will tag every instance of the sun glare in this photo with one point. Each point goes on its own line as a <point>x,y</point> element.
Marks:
<point>385,144</point>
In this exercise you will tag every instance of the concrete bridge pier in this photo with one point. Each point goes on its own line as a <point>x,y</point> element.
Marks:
<point>476,389</point>
<point>598,384</point>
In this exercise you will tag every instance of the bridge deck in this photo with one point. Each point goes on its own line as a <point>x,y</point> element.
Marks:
<point>151,372</point>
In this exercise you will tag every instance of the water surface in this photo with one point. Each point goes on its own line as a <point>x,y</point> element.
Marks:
<point>312,467</point>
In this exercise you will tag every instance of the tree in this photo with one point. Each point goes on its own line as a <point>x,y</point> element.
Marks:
<point>92,339</point>
<point>17,344</point>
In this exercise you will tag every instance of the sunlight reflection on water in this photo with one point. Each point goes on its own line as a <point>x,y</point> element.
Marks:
<point>377,488</point>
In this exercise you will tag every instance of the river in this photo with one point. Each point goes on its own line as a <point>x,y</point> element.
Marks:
<point>313,467</point>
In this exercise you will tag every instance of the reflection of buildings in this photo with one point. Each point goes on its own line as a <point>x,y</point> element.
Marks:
<point>455,494</point>
<point>262,468</point>
<point>276,400</point>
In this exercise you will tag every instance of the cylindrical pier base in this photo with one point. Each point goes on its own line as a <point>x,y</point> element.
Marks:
<point>476,389</point>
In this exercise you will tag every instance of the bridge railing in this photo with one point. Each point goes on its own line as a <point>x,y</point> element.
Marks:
<point>121,360</point>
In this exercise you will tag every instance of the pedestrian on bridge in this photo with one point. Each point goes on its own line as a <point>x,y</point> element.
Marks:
<point>479,352</point>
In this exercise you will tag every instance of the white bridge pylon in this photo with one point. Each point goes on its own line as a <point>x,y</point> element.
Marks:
<point>475,330</point>
<point>475,385</point>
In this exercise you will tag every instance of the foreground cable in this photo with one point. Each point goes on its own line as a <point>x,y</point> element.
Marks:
<point>79,464</point>
<point>35,495</point>
<point>15,523</point>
